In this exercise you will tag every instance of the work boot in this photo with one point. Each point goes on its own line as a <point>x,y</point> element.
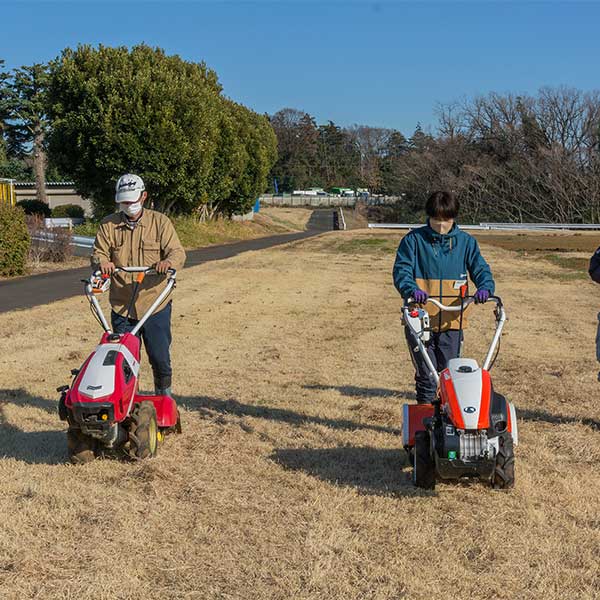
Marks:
<point>162,385</point>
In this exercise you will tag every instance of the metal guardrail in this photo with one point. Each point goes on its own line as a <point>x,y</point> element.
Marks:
<point>62,221</point>
<point>569,226</point>
<point>83,242</point>
<point>77,240</point>
<point>500,226</point>
<point>342,219</point>
<point>414,226</point>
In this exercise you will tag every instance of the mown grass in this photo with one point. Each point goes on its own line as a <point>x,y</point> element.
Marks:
<point>570,252</point>
<point>364,245</point>
<point>542,241</point>
<point>289,480</point>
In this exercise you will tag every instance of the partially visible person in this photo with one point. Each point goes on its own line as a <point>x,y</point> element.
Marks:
<point>435,260</point>
<point>138,236</point>
<point>594,272</point>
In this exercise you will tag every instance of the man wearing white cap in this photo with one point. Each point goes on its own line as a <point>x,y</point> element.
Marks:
<point>138,236</point>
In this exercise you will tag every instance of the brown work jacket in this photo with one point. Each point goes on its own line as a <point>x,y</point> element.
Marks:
<point>153,239</point>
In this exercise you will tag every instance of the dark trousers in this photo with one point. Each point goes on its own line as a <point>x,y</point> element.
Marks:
<point>441,348</point>
<point>156,334</point>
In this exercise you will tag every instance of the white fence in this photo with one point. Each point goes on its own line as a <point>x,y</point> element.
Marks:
<point>500,226</point>
<point>312,201</point>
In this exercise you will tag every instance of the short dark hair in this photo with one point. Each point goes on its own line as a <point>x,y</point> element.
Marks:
<point>442,205</point>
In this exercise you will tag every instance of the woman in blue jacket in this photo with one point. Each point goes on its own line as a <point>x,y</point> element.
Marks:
<point>435,260</point>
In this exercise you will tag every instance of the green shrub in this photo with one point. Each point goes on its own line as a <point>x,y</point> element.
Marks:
<point>88,229</point>
<point>68,210</point>
<point>35,207</point>
<point>14,241</point>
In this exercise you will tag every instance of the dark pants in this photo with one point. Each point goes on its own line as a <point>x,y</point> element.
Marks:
<point>441,348</point>
<point>156,334</point>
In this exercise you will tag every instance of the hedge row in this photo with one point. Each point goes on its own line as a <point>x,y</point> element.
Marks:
<point>37,207</point>
<point>14,241</point>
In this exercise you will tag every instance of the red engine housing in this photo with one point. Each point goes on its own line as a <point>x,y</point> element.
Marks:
<point>468,400</point>
<point>105,389</point>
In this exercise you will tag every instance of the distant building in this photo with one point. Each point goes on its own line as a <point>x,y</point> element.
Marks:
<point>59,192</point>
<point>344,192</point>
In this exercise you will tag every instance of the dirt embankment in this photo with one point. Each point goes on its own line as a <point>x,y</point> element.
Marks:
<point>289,480</point>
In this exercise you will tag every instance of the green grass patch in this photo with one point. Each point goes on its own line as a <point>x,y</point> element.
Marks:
<point>575,267</point>
<point>368,245</point>
<point>87,229</point>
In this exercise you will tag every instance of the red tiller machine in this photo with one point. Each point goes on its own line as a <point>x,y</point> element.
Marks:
<point>105,413</point>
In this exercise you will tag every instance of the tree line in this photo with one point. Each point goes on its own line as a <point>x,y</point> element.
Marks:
<point>508,157</point>
<point>95,113</point>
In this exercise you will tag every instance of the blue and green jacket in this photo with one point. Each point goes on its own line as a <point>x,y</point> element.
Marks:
<point>439,264</point>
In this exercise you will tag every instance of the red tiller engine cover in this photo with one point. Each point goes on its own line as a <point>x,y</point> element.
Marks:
<point>109,375</point>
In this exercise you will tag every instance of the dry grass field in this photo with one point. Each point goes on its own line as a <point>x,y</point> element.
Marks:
<point>291,218</point>
<point>289,481</point>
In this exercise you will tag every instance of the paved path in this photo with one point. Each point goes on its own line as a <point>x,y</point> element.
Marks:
<point>35,290</point>
<point>322,219</point>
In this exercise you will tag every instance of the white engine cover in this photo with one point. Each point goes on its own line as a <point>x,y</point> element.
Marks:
<point>467,387</point>
<point>98,379</point>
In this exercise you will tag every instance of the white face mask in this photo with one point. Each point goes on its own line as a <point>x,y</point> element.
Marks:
<point>131,209</point>
<point>442,226</point>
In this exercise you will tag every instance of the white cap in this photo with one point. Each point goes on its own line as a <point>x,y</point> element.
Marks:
<point>129,188</point>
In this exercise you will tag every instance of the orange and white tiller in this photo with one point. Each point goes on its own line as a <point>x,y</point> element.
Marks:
<point>470,430</point>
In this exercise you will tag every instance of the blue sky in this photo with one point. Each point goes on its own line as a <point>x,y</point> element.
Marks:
<point>380,63</point>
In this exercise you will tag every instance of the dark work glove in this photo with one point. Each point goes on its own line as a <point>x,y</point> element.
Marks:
<point>481,296</point>
<point>419,296</point>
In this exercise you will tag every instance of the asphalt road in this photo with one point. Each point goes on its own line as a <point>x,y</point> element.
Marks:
<point>322,219</point>
<point>35,290</point>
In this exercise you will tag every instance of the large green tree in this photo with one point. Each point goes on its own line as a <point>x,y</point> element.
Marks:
<point>260,146</point>
<point>29,123</point>
<point>297,140</point>
<point>338,156</point>
<point>22,123</point>
<point>118,110</point>
<point>4,109</point>
<point>245,154</point>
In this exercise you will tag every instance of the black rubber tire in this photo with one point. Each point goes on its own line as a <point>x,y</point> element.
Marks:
<point>143,431</point>
<point>504,472</point>
<point>423,464</point>
<point>63,413</point>
<point>81,447</point>
<point>410,454</point>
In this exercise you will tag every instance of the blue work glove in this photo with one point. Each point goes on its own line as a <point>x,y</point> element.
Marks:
<point>419,296</point>
<point>481,296</point>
